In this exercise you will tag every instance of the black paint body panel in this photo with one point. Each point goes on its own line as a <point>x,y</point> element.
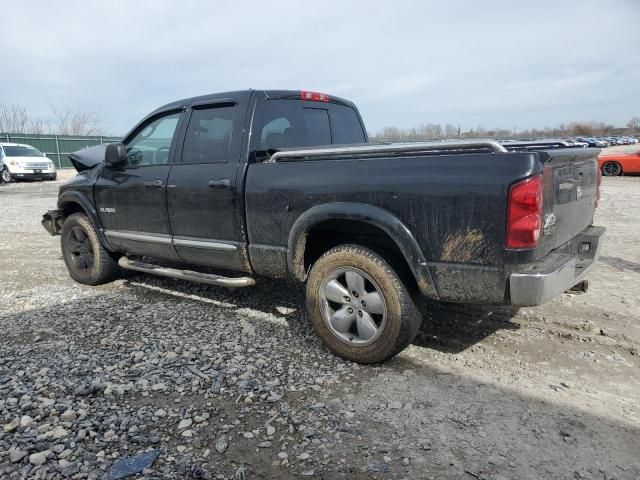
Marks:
<point>445,213</point>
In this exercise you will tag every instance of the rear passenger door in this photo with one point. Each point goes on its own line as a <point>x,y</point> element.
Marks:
<point>203,194</point>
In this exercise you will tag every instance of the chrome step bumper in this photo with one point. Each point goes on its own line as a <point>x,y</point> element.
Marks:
<point>559,272</point>
<point>208,278</point>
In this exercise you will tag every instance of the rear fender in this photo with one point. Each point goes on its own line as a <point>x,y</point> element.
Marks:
<point>360,212</point>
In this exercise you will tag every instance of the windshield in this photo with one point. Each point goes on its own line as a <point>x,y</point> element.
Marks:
<point>21,151</point>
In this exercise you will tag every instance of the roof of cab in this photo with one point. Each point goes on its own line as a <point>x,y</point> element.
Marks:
<point>270,94</point>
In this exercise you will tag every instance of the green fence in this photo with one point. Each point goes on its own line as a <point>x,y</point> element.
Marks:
<point>56,147</point>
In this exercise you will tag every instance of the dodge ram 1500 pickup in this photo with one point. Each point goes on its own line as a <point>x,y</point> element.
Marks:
<point>225,188</point>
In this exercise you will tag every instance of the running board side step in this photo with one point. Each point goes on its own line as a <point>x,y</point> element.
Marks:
<point>208,278</point>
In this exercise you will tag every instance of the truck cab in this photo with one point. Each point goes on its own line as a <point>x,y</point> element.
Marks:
<point>179,194</point>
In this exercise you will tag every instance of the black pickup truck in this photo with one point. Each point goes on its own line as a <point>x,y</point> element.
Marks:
<point>225,188</point>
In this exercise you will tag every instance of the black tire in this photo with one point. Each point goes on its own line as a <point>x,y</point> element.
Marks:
<point>87,260</point>
<point>5,176</point>
<point>611,169</point>
<point>400,322</point>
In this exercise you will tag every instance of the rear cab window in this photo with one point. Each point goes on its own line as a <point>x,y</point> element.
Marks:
<point>289,123</point>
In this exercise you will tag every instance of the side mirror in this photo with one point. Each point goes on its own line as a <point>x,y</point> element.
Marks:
<point>115,154</point>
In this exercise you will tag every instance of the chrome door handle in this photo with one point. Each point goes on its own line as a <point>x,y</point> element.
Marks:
<point>155,183</point>
<point>220,183</point>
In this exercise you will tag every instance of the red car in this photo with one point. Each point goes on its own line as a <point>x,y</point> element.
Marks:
<point>618,163</point>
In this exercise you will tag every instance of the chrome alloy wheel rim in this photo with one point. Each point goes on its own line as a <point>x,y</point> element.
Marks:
<point>352,306</point>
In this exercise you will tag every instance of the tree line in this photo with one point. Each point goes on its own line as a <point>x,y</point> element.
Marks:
<point>435,131</point>
<point>63,121</point>
<point>75,121</point>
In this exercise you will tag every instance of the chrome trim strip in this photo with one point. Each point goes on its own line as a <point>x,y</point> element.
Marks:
<point>168,240</point>
<point>185,242</point>
<point>139,237</point>
<point>392,148</point>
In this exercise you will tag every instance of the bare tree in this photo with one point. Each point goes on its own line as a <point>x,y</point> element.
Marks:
<point>13,118</point>
<point>73,121</point>
<point>451,131</point>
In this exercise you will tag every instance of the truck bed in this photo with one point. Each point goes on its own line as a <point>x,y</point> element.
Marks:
<point>453,197</point>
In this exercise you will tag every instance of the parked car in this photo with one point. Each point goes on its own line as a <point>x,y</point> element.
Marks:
<point>616,164</point>
<point>578,143</point>
<point>592,142</point>
<point>22,162</point>
<point>282,184</point>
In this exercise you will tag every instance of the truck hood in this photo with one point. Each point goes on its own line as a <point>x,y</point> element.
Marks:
<point>88,158</point>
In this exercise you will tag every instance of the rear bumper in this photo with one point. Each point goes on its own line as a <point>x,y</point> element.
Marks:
<point>559,271</point>
<point>52,222</point>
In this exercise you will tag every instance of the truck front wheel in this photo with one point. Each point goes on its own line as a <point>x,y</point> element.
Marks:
<point>87,260</point>
<point>359,306</point>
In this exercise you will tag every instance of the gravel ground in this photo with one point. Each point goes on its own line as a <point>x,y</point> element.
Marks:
<point>233,384</point>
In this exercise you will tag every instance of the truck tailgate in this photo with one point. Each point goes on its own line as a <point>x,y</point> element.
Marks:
<point>570,195</point>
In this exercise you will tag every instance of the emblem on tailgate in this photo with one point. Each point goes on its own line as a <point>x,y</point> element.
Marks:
<point>549,223</point>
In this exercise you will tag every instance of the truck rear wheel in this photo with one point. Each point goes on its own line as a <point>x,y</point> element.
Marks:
<point>359,306</point>
<point>87,260</point>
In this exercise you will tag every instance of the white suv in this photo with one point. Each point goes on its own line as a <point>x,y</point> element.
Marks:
<point>19,161</point>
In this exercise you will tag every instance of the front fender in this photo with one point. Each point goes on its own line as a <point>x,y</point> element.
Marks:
<point>71,197</point>
<point>361,212</point>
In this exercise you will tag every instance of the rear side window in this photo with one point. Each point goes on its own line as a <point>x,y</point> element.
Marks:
<point>208,136</point>
<point>316,121</point>
<point>345,125</point>
<point>293,123</point>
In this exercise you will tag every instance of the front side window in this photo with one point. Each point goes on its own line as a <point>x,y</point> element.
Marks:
<point>208,136</point>
<point>152,144</point>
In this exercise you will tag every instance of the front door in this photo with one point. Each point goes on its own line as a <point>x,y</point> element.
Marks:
<point>131,199</point>
<point>205,209</point>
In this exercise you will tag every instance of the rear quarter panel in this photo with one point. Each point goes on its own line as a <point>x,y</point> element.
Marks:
<point>455,205</point>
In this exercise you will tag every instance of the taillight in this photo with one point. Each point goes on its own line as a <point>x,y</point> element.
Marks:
<point>599,181</point>
<point>524,213</point>
<point>314,96</point>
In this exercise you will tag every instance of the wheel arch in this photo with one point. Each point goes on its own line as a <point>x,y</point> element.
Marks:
<point>342,219</point>
<point>74,202</point>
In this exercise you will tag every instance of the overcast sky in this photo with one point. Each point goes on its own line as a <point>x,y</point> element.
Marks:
<point>491,63</point>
